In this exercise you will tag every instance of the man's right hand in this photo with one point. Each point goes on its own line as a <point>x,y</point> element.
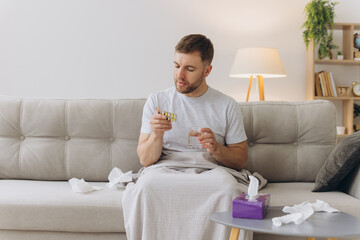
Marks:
<point>150,145</point>
<point>159,124</point>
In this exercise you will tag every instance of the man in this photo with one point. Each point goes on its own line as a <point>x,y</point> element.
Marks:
<point>192,64</point>
<point>180,187</point>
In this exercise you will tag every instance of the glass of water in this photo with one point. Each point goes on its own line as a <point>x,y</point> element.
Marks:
<point>193,142</point>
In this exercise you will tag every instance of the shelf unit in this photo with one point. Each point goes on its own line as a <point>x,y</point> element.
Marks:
<point>347,49</point>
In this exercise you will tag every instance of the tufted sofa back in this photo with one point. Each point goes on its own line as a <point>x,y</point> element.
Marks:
<point>61,139</point>
<point>289,141</point>
<point>47,139</point>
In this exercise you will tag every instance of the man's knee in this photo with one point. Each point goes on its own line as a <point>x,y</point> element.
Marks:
<point>147,182</point>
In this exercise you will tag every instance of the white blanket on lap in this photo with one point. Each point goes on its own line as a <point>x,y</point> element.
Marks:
<point>174,198</point>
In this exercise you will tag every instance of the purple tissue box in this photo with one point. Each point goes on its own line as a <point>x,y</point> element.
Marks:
<point>243,208</point>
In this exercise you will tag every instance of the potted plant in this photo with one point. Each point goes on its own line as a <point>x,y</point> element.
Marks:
<point>320,14</point>
<point>325,50</point>
<point>340,56</point>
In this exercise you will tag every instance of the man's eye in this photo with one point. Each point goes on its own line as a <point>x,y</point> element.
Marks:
<point>176,66</point>
<point>191,69</point>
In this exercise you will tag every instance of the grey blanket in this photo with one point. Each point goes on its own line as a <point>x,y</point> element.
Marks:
<point>174,198</point>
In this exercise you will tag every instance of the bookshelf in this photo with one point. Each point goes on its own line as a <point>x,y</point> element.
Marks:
<point>348,30</point>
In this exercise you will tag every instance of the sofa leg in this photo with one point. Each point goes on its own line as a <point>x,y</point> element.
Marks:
<point>234,235</point>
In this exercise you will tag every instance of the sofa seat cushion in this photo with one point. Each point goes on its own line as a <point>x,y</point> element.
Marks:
<point>53,206</point>
<point>290,193</point>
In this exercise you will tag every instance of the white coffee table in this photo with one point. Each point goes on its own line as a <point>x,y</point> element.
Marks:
<point>320,224</point>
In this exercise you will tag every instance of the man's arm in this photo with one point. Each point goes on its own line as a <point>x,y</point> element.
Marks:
<point>233,155</point>
<point>150,145</point>
<point>149,149</point>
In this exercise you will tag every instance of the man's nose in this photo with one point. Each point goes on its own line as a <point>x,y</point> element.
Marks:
<point>181,73</point>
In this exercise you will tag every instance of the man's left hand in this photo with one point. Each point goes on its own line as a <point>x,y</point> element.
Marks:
<point>208,140</point>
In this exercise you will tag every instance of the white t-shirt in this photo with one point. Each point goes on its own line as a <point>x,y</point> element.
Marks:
<point>213,110</point>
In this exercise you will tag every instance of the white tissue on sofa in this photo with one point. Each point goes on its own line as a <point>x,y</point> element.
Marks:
<point>80,186</point>
<point>299,213</point>
<point>117,176</point>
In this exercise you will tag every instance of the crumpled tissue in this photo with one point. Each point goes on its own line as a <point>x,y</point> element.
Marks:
<point>299,213</point>
<point>116,178</point>
<point>80,186</point>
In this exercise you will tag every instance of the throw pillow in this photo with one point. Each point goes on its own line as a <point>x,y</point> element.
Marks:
<point>344,157</point>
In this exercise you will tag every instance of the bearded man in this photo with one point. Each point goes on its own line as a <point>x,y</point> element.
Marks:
<point>180,186</point>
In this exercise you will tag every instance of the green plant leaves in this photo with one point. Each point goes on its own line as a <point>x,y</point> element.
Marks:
<point>320,15</point>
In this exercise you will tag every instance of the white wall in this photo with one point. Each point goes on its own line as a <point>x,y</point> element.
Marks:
<point>124,48</point>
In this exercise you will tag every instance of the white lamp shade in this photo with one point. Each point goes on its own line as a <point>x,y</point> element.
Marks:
<point>257,61</point>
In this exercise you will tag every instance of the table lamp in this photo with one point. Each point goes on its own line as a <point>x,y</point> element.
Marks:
<point>259,62</point>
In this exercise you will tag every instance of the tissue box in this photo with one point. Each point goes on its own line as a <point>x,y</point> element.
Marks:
<point>257,209</point>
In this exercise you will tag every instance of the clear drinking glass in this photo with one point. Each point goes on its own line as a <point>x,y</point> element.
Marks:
<point>193,142</point>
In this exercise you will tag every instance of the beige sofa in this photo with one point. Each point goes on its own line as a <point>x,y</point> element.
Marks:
<point>45,142</point>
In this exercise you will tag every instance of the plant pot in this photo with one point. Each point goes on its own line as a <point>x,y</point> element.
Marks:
<point>326,56</point>
<point>340,57</point>
<point>330,54</point>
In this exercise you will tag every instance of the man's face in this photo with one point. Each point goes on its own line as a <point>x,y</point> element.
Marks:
<point>190,73</point>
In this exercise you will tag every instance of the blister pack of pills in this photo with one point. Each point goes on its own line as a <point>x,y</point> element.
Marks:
<point>169,116</point>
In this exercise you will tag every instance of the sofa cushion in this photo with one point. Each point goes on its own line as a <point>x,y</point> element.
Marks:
<point>289,141</point>
<point>344,157</point>
<point>52,206</point>
<point>288,194</point>
<point>49,139</point>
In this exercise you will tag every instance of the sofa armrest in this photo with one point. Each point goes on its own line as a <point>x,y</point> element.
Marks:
<point>351,184</point>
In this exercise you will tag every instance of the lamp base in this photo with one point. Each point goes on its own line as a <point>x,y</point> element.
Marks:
<point>261,88</point>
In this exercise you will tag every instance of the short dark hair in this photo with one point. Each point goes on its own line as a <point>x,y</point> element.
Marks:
<point>197,42</point>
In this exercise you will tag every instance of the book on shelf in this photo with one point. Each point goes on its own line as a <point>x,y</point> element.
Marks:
<point>333,87</point>
<point>328,84</point>
<point>325,84</point>
<point>317,86</point>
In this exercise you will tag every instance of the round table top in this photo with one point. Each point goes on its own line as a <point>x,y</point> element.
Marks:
<point>320,224</point>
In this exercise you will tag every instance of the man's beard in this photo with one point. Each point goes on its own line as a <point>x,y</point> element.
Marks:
<point>189,88</point>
